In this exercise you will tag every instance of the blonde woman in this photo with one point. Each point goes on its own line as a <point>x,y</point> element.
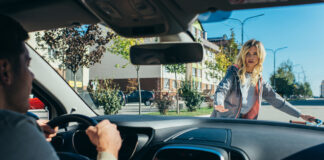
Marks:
<point>240,92</point>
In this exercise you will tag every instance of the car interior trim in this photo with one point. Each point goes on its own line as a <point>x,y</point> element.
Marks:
<point>190,147</point>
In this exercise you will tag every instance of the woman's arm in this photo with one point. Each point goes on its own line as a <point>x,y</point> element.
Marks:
<point>223,87</point>
<point>222,90</point>
<point>277,101</point>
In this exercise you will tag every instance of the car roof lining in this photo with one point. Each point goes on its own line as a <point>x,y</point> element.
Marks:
<point>37,15</point>
<point>198,6</point>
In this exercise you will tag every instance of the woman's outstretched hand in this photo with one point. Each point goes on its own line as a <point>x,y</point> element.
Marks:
<point>308,118</point>
<point>220,108</point>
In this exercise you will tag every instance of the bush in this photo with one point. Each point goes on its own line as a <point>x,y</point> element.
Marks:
<point>191,96</point>
<point>105,95</point>
<point>163,102</point>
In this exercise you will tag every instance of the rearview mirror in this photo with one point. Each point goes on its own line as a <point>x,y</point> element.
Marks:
<point>166,53</point>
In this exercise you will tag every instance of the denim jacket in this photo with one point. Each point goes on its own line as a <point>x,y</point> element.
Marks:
<point>228,94</point>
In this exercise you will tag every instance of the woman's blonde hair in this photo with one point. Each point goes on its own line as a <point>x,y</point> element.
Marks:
<point>240,60</point>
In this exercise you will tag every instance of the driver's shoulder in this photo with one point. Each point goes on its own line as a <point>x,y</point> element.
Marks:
<point>20,138</point>
<point>13,119</point>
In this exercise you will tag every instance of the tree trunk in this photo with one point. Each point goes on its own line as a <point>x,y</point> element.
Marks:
<point>75,86</point>
<point>139,90</point>
<point>177,96</point>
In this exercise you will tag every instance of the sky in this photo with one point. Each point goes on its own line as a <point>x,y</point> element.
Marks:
<point>299,28</point>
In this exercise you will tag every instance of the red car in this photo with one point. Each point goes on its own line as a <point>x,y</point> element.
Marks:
<point>35,103</point>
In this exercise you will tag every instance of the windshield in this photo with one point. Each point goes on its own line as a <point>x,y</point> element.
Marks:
<point>95,62</point>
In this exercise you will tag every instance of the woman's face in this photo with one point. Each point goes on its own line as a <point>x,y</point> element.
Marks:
<point>251,58</point>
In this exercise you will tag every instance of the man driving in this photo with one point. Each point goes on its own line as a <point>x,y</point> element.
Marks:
<point>20,136</point>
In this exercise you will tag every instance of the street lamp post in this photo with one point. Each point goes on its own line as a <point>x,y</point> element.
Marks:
<point>274,63</point>
<point>242,24</point>
<point>302,71</point>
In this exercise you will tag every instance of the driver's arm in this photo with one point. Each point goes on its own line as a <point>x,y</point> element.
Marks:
<point>21,139</point>
<point>48,131</point>
<point>106,138</point>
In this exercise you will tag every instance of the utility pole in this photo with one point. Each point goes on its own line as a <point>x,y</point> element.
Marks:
<point>302,71</point>
<point>137,67</point>
<point>274,63</point>
<point>242,25</point>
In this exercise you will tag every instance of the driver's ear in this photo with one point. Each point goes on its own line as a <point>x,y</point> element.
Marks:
<point>5,72</point>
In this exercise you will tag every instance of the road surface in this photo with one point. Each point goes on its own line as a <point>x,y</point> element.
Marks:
<point>314,107</point>
<point>132,108</point>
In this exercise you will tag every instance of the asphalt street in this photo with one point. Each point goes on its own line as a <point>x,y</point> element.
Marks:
<point>133,108</point>
<point>314,107</point>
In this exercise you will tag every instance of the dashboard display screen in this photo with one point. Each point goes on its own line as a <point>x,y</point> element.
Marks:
<point>187,154</point>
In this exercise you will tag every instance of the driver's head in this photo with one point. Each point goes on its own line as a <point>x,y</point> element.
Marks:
<point>15,77</point>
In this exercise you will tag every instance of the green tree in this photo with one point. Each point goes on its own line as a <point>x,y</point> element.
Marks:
<point>218,67</point>
<point>223,59</point>
<point>176,69</point>
<point>298,89</point>
<point>163,102</point>
<point>105,94</point>
<point>303,89</point>
<point>308,90</point>
<point>131,85</point>
<point>75,47</point>
<point>230,49</point>
<point>285,79</point>
<point>192,97</point>
<point>121,46</point>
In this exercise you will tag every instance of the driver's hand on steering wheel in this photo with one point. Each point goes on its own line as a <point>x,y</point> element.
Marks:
<point>49,132</point>
<point>105,137</point>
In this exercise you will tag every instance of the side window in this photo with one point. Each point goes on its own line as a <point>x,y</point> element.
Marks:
<point>38,107</point>
<point>43,104</point>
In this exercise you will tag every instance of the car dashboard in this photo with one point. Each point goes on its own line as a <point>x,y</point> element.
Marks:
<point>190,138</point>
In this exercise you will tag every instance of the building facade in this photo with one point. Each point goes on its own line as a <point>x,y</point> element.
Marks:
<point>219,41</point>
<point>152,77</point>
<point>156,77</point>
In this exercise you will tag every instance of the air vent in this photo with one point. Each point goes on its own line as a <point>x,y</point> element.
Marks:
<point>190,152</point>
<point>236,155</point>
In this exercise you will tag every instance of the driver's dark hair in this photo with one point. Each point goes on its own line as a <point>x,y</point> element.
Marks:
<point>12,36</point>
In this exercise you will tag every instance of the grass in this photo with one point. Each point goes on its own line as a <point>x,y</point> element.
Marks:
<point>184,112</point>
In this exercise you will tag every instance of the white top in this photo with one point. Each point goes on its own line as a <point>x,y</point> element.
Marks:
<point>248,94</point>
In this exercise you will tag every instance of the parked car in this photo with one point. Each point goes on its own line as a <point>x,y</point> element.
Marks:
<point>147,97</point>
<point>161,137</point>
<point>35,103</point>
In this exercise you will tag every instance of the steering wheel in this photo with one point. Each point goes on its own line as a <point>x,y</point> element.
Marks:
<point>57,121</point>
<point>64,119</point>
